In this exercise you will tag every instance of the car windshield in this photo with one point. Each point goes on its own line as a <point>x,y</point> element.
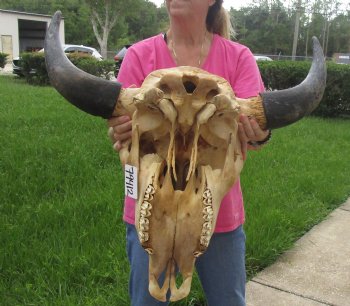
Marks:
<point>77,49</point>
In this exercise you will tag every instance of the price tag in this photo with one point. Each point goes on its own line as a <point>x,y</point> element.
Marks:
<point>131,181</point>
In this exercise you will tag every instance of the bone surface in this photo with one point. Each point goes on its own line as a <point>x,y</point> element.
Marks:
<point>183,117</point>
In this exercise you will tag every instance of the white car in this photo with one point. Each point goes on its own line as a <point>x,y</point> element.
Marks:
<point>262,58</point>
<point>82,49</point>
<point>17,69</point>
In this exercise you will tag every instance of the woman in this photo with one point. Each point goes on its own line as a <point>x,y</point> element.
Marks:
<point>198,36</point>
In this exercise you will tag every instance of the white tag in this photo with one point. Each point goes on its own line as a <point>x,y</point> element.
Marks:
<point>131,181</point>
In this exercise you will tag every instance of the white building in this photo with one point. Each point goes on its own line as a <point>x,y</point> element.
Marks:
<point>23,32</point>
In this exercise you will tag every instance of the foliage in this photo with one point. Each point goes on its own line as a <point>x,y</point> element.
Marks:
<point>104,15</point>
<point>34,68</point>
<point>268,27</point>
<point>285,74</point>
<point>62,238</point>
<point>89,64</point>
<point>264,29</point>
<point>130,25</point>
<point>336,101</point>
<point>3,58</point>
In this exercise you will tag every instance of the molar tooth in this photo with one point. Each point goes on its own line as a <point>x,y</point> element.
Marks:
<point>206,233</point>
<point>207,194</point>
<point>146,205</point>
<point>143,236</point>
<point>197,253</point>
<point>144,221</point>
<point>208,210</point>
<point>144,227</point>
<point>207,225</point>
<point>149,251</point>
<point>144,224</point>
<point>207,218</point>
<point>144,213</point>
<point>150,189</point>
<point>204,241</point>
<point>207,201</point>
<point>148,196</point>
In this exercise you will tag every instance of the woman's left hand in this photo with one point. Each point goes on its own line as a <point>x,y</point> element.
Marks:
<point>249,130</point>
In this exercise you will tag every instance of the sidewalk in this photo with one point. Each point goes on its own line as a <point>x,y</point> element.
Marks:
<point>7,69</point>
<point>315,272</point>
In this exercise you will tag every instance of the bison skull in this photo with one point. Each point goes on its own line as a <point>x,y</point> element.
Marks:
<point>184,116</point>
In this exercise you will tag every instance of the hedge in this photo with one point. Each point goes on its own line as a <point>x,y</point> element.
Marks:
<point>275,74</point>
<point>34,68</point>
<point>285,74</point>
<point>3,58</point>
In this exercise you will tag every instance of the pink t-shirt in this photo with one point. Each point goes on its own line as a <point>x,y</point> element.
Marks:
<point>227,59</point>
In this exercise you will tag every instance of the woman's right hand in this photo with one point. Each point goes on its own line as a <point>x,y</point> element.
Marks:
<point>119,130</point>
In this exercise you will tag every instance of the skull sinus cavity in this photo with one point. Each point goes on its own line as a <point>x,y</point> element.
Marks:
<point>184,143</point>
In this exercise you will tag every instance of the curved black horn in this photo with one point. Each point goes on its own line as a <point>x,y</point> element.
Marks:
<point>91,94</point>
<point>286,106</point>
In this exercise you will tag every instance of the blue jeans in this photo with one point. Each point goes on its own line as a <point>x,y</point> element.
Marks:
<point>221,270</point>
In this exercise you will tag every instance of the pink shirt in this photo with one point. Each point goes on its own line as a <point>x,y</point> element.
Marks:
<point>227,59</point>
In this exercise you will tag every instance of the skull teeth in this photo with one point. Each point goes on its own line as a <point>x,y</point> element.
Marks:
<point>149,251</point>
<point>145,212</point>
<point>197,253</point>
<point>208,215</point>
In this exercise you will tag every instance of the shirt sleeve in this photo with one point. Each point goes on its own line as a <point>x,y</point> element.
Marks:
<point>247,81</point>
<point>131,72</point>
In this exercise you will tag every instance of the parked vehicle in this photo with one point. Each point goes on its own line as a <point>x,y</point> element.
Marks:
<point>68,49</point>
<point>82,49</point>
<point>118,58</point>
<point>16,66</point>
<point>262,58</point>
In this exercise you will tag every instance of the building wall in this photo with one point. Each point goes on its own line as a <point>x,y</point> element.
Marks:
<point>9,27</point>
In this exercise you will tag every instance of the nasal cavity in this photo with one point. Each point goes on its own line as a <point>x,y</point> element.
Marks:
<point>190,83</point>
<point>189,86</point>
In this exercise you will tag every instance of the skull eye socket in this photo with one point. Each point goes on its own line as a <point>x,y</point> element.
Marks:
<point>211,94</point>
<point>165,88</point>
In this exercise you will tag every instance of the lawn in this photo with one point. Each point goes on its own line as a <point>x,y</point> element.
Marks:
<point>62,239</point>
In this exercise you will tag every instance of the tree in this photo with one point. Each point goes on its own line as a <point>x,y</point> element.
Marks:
<point>104,15</point>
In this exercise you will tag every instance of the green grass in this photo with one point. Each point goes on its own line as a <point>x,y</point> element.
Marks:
<point>62,239</point>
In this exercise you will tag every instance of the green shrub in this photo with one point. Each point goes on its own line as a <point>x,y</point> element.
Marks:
<point>336,100</point>
<point>93,66</point>
<point>34,68</point>
<point>285,74</point>
<point>107,69</point>
<point>3,59</point>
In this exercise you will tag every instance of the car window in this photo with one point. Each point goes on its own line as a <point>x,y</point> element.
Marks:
<point>77,49</point>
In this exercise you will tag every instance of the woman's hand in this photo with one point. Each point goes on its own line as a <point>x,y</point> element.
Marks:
<point>119,130</point>
<point>249,130</point>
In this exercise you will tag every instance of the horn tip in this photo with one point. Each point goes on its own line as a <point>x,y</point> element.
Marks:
<point>57,15</point>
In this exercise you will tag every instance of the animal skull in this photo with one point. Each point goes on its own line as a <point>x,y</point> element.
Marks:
<point>184,141</point>
<point>184,116</point>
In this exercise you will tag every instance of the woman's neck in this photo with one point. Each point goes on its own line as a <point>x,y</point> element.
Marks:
<point>189,45</point>
<point>187,34</point>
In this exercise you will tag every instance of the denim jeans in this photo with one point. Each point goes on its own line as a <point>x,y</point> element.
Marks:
<point>221,270</point>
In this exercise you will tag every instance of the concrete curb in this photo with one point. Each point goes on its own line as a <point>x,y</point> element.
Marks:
<point>316,271</point>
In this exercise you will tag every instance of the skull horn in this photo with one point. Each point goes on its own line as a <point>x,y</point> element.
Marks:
<point>287,106</point>
<point>91,94</point>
